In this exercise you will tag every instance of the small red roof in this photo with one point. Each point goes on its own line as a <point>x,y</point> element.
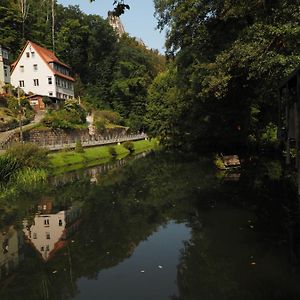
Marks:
<point>48,56</point>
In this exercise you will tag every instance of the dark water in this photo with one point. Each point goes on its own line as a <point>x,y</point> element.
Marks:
<point>152,228</point>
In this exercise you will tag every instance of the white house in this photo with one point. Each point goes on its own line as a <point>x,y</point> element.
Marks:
<point>38,71</point>
<point>4,68</point>
<point>50,229</point>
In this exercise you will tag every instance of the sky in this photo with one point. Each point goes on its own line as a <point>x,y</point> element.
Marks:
<point>139,21</point>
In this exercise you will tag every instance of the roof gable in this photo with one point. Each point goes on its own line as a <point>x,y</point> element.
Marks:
<point>48,57</point>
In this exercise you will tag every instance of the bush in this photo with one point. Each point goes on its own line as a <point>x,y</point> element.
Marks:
<point>112,151</point>
<point>79,147</point>
<point>100,125</point>
<point>108,116</point>
<point>129,146</point>
<point>29,155</point>
<point>71,115</point>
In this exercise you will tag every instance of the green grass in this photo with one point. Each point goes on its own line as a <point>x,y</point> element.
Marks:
<point>65,161</point>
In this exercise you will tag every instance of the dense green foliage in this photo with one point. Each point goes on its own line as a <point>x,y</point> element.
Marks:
<point>70,116</point>
<point>129,146</point>
<point>111,72</point>
<point>228,57</point>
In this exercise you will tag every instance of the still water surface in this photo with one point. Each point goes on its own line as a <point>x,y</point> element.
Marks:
<point>153,228</point>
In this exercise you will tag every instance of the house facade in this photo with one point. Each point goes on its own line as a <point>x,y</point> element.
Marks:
<point>38,71</point>
<point>50,229</point>
<point>4,68</point>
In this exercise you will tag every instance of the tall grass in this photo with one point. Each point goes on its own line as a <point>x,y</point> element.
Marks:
<point>24,180</point>
<point>8,166</point>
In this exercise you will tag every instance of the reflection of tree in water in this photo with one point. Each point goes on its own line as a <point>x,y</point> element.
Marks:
<point>117,214</point>
<point>240,253</point>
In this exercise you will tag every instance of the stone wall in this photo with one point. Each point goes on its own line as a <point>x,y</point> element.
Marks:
<point>46,137</point>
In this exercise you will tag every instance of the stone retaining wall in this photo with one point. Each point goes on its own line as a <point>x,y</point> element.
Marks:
<point>54,137</point>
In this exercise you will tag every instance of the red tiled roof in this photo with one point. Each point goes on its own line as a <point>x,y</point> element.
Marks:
<point>48,56</point>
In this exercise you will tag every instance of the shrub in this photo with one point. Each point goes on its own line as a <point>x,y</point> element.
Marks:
<point>108,116</point>
<point>29,155</point>
<point>79,147</point>
<point>100,125</point>
<point>112,151</point>
<point>129,146</point>
<point>71,115</point>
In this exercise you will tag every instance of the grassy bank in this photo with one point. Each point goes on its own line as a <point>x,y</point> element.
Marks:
<point>65,161</point>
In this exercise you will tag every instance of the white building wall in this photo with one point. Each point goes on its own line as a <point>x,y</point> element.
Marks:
<point>4,68</point>
<point>46,225</point>
<point>29,74</point>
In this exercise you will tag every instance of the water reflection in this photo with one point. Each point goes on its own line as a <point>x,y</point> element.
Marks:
<point>11,255</point>
<point>173,219</point>
<point>50,228</point>
<point>95,173</point>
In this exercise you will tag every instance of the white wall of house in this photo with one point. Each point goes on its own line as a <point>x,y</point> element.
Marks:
<point>29,69</point>
<point>4,68</point>
<point>46,232</point>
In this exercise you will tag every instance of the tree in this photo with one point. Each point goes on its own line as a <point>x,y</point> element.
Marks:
<point>119,7</point>
<point>230,56</point>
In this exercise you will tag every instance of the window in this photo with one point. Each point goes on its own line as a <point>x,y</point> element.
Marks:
<point>47,248</point>
<point>47,235</point>
<point>32,54</point>
<point>60,222</point>
<point>27,54</point>
<point>35,82</point>
<point>5,71</point>
<point>35,67</point>
<point>21,83</point>
<point>42,248</point>
<point>50,93</point>
<point>49,80</point>
<point>35,235</point>
<point>46,222</point>
<point>22,68</point>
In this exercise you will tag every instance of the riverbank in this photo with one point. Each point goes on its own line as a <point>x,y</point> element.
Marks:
<point>65,161</point>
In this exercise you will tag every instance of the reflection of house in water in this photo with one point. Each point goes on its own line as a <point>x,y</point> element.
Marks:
<point>49,230</point>
<point>11,242</point>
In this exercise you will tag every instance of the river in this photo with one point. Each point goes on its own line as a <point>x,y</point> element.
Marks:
<point>153,228</point>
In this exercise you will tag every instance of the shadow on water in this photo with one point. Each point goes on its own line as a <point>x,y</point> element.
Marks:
<point>155,228</point>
